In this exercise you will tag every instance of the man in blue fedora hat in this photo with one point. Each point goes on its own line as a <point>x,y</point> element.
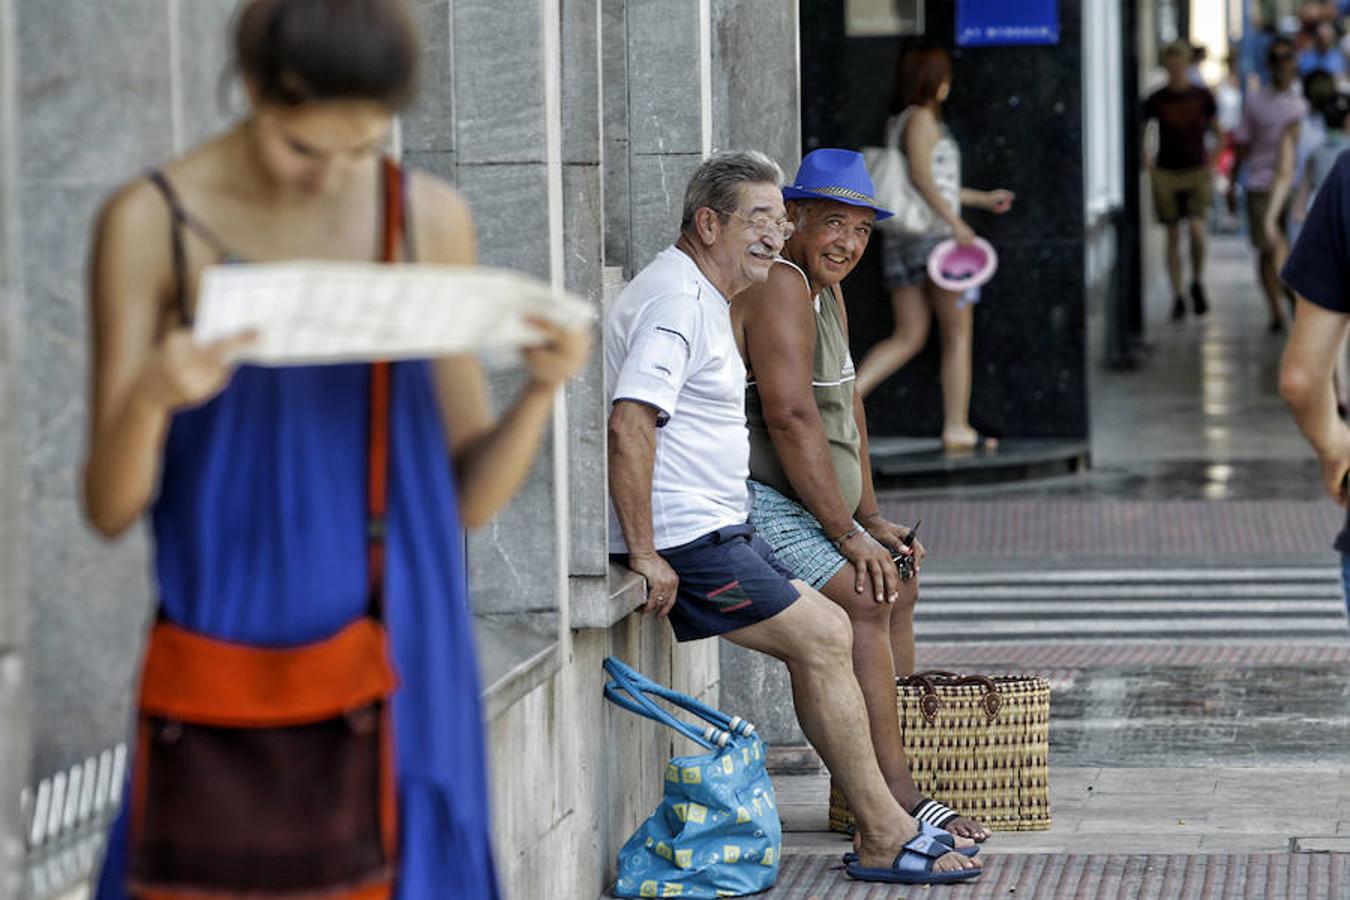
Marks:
<point>812,493</point>
<point>678,462</point>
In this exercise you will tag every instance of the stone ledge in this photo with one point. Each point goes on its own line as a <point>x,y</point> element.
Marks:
<point>602,603</point>
<point>517,652</point>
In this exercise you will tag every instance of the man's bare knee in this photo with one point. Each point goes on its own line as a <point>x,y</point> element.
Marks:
<point>829,639</point>
<point>862,609</point>
<point>865,612</point>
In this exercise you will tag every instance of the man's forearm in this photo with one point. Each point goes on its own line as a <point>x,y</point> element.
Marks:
<point>804,452</point>
<point>630,488</point>
<point>1306,374</point>
<point>1314,410</point>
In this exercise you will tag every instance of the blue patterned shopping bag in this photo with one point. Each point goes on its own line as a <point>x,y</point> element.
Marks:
<point>716,832</point>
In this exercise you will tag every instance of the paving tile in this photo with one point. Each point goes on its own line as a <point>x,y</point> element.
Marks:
<point>1114,842</point>
<point>1244,843</point>
<point>1144,824</point>
<point>1038,656</point>
<point>1137,876</point>
<point>1288,826</point>
<point>1046,528</point>
<point>1299,778</point>
<point>1322,845</point>
<point>1155,781</point>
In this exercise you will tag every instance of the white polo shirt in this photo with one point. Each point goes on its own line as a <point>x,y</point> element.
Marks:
<point>669,344</point>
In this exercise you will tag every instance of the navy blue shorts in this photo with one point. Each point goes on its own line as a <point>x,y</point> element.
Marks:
<point>729,579</point>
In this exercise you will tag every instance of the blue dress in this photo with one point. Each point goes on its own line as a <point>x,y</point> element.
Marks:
<point>259,532</point>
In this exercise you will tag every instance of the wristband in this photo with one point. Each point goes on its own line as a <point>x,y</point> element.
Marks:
<point>839,541</point>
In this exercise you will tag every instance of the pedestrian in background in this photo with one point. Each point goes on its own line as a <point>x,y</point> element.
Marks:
<point>1319,89</point>
<point>1324,52</point>
<point>1266,141</point>
<point>1318,271</point>
<point>256,479</point>
<point>934,160</point>
<point>1180,173</point>
<point>1322,160</point>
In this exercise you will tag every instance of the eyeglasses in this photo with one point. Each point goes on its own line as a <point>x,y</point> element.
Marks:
<point>762,223</point>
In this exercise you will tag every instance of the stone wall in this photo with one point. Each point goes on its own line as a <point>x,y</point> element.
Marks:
<point>571,127</point>
<point>14,743</point>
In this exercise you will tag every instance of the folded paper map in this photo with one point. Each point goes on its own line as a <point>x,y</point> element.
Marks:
<point>310,312</point>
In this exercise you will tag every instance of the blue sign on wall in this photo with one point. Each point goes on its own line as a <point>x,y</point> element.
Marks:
<point>993,23</point>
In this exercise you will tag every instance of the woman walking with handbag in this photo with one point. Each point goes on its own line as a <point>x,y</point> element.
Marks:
<point>307,520</point>
<point>932,215</point>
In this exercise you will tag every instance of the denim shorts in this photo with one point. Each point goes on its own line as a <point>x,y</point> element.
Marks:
<point>795,536</point>
<point>729,579</point>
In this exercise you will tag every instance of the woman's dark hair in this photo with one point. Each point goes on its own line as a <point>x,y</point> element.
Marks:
<point>1335,111</point>
<point>1279,46</point>
<point>298,51</point>
<point>922,71</point>
<point>1319,87</point>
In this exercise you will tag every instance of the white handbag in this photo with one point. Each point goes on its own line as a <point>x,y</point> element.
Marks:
<point>895,189</point>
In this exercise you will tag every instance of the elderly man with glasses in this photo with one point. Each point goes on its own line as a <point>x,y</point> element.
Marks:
<point>678,464</point>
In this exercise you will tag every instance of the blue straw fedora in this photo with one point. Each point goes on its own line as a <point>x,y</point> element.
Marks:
<point>830,174</point>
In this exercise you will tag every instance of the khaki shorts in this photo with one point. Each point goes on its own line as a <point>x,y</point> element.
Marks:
<point>1258,202</point>
<point>1181,194</point>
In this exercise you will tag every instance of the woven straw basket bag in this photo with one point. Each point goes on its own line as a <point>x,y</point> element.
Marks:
<point>978,744</point>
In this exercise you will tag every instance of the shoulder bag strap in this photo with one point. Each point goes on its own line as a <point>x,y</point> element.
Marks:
<point>377,444</point>
<point>896,133</point>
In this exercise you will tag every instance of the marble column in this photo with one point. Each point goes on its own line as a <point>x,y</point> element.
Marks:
<point>14,708</point>
<point>667,132</point>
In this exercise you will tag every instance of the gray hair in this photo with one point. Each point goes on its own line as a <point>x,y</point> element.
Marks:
<point>717,183</point>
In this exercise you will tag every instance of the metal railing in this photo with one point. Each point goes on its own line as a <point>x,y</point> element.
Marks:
<point>65,817</point>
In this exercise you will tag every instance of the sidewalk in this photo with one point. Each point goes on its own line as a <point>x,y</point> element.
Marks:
<point>1150,810</point>
<point>1184,602</point>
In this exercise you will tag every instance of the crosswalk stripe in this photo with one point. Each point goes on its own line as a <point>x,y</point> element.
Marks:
<point>1262,603</point>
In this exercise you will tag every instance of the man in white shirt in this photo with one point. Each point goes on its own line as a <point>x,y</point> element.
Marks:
<point>678,463</point>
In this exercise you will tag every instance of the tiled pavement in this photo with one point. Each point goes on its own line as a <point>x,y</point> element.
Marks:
<point>1214,833</point>
<point>1049,527</point>
<point>1096,877</point>
<point>1040,657</point>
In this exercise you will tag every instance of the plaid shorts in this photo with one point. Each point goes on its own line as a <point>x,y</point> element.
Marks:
<point>795,536</point>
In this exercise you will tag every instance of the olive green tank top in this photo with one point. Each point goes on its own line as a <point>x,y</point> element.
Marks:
<point>832,380</point>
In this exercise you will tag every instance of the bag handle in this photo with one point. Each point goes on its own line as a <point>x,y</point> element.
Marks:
<point>709,714</point>
<point>622,692</point>
<point>636,686</point>
<point>930,703</point>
